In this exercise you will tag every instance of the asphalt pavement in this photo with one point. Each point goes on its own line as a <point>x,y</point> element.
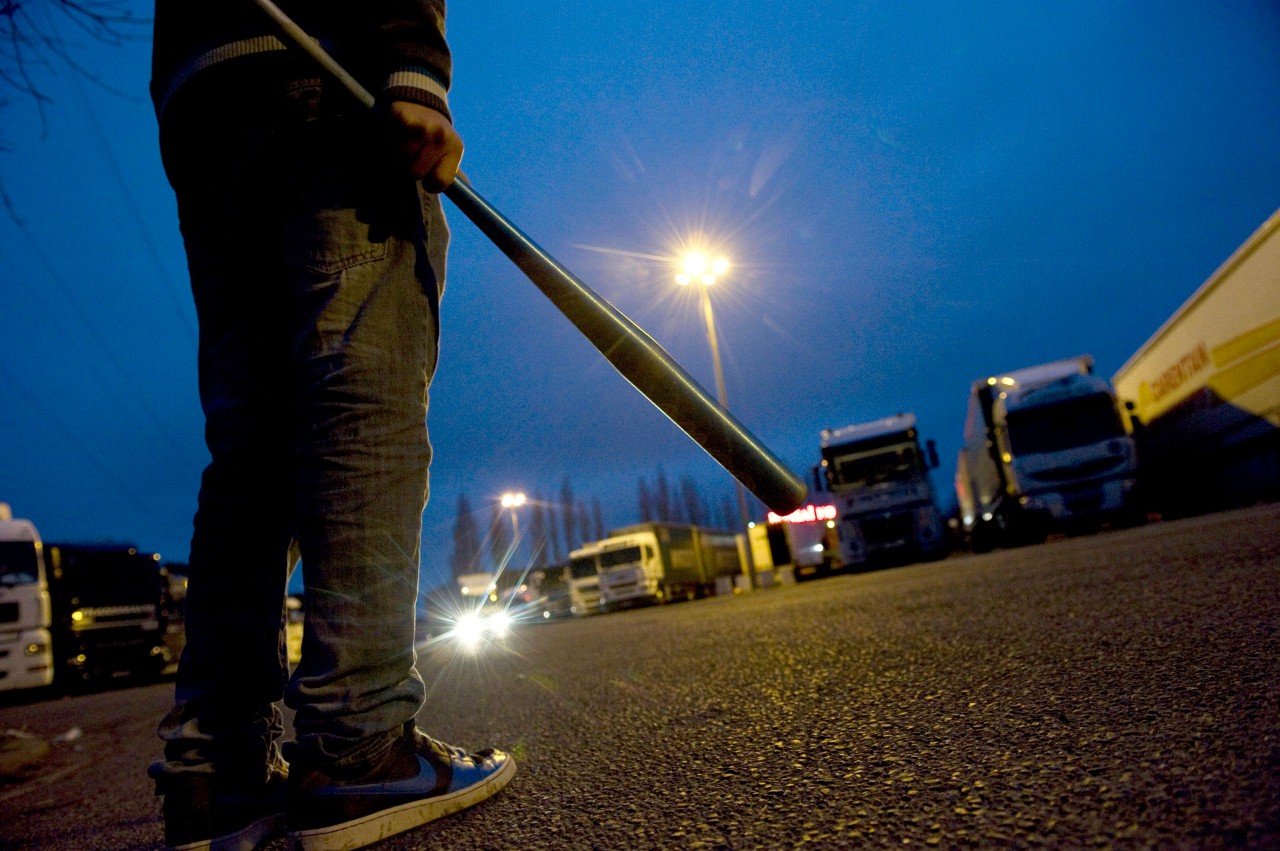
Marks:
<point>1112,691</point>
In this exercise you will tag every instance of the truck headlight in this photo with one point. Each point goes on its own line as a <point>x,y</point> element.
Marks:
<point>499,624</point>
<point>469,629</point>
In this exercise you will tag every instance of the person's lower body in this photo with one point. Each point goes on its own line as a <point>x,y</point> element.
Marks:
<point>316,279</point>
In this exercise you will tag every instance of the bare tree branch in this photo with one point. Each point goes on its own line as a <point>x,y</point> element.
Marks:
<point>32,40</point>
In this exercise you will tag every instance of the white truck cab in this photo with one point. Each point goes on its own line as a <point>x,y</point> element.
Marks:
<point>26,645</point>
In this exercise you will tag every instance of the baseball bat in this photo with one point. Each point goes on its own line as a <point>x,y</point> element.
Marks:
<point>631,351</point>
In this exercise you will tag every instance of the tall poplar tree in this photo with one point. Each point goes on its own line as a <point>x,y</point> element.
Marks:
<point>692,501</point>
<point>597,515</point>
<point>644,501</point>
<point>557,554</point>
<point>466,556</point>
<point>538,532</point>
<point>728,514</point>
<point>499,535</point>
<point>584,523</point>
<point>662,496</point>
<point>567,515</point>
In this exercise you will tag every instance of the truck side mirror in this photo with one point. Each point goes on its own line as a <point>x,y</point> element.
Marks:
<point>1135,422</point>
<point>932,448</point>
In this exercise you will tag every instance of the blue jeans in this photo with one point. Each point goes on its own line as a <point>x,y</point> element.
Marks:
<point>316,271</point>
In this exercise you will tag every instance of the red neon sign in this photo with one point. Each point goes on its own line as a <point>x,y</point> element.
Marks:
<point>808,514</point>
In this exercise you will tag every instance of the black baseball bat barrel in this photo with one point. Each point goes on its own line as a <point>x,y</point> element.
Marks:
<point>640,360</point>
<point>635,354</point>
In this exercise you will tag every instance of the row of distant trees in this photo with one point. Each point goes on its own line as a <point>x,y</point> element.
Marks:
<point>483,534</point>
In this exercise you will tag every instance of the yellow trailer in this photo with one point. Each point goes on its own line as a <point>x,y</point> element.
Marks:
<point>1204,391</point>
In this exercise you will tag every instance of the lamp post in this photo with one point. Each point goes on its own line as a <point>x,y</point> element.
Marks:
<point>697,270</point>
<point>514,501</point>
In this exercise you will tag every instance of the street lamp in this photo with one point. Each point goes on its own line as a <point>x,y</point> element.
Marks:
<point>697,268</point>
<point>514,501</point>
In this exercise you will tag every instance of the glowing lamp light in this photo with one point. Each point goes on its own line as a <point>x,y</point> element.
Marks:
<point>696,267</point>
<point>513,500</point>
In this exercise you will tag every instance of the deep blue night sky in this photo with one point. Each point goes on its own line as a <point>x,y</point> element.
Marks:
<point>913,195</point>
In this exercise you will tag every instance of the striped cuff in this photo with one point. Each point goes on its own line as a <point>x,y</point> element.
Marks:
<point>416,85</point>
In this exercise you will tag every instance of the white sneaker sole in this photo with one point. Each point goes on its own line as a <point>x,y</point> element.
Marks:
<point>248,838</point>
<point>386,823</point>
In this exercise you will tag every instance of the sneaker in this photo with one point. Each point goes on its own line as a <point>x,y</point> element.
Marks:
<point>200,814</point>
<point>423,781</point>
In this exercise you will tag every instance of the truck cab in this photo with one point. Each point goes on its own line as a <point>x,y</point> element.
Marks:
<point>630,570</point>
<point>107,603</point>
<point>26,645</point>
<point>1070,432</point>
<point>1045,449</point>
<point>584,581</point>
<point>878,476</point>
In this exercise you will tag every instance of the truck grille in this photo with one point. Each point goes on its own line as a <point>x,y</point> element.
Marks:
<point>1079,471</point>
<point>888,532</point>
<point>1086,502</point>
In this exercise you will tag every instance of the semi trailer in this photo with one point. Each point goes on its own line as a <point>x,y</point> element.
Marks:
<point>1204,390</point>
<point>658,562</point>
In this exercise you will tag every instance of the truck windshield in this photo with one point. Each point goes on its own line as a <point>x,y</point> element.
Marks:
<point>613,558</point>
<point>18,564</point>
<point>1064,425</point>
<point>108,578</point>
<point>847,467</point>
<point>582,567</point>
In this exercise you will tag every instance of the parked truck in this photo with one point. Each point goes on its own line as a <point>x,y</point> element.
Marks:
<point>659,562</point>
<point>71,614</point>
<point>1204,390</point>
<point>1045,449</point>
<point>107,606</point>
<point>26,644</point>
<point>886,508</point>
<point>803,542</point>
<point>584,580</point>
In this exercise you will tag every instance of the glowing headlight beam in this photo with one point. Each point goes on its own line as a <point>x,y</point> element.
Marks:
<point>469,629</point>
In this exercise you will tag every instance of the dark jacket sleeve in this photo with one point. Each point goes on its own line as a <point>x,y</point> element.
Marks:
<point>395,48</point>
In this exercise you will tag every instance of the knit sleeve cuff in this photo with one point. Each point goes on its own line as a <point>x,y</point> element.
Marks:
<point>416,85</point>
